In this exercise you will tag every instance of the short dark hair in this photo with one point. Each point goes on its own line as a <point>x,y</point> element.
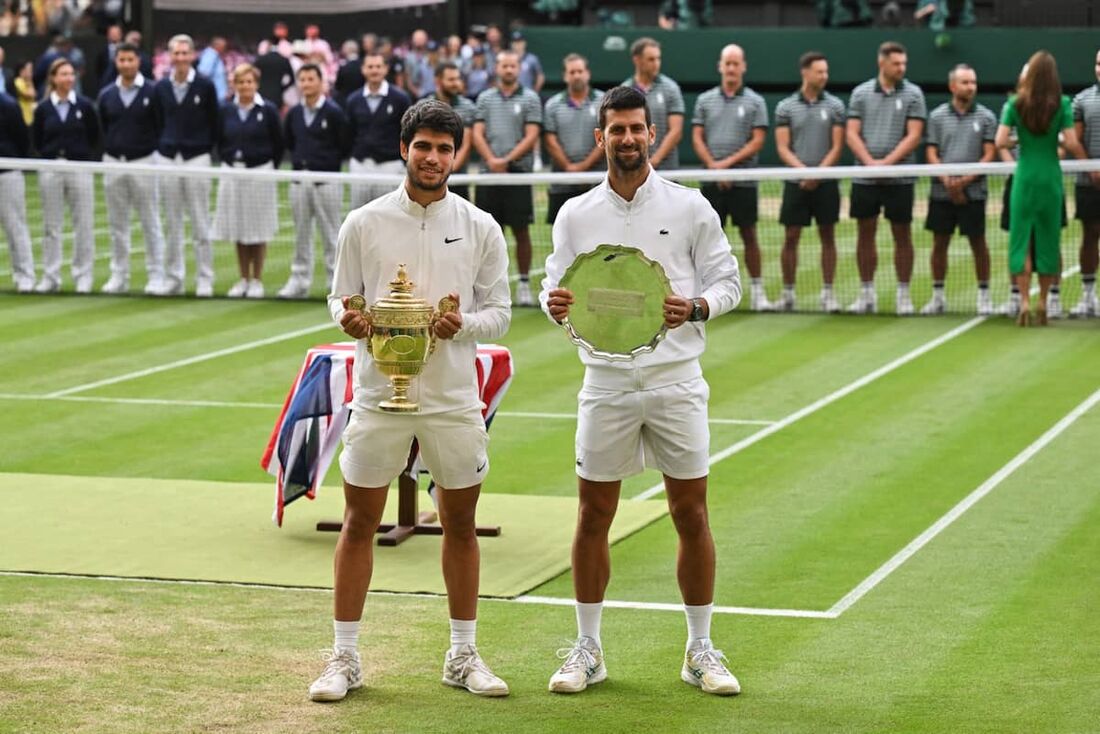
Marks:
<point>574,57</point>
<point>442,66</point>
<point>434,115</point>
<point>316,69</point>
<point>127,48</point>
<point>806,60</point>
<point>890,47</point>
<point>638,47</point>
<point>623,98</point>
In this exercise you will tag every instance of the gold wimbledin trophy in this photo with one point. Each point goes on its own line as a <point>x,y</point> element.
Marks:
<point>401,338</point>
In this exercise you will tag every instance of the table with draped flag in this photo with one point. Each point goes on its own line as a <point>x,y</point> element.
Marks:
<point>316,410</point>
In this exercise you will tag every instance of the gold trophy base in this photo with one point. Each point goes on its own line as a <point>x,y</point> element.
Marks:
<point>400,402</point>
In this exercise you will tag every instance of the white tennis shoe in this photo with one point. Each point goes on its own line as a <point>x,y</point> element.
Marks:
<point>583,667</point>
<point>704,667</point>
<point>466,669</point>
<point>342,673</point>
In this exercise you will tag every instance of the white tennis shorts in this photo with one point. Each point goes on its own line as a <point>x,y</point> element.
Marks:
<point>621,433</point>
<point>453,445</point>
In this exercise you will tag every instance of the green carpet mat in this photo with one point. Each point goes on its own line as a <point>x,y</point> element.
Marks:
<point>222,531</point>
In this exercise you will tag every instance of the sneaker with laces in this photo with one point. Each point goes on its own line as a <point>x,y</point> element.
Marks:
<point>466,669</point>
<point>1087,307</point>
<point>239,289</point>
<point>1054,306</point>
<point>985,302</point>
<point>1011,307</point>
<point>255,289</point>
<point>903,304</point>
<point>342,673</point>
<point>760,302</point>
<point>583,667</point>
<point>115,284</point>
<point>704,667</point>
<point>828,302</point>
<point>523,294</point>
<point>294,288</point>
<point>935,307</point>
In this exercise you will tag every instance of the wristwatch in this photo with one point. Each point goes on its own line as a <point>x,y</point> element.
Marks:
<point>696,310</point>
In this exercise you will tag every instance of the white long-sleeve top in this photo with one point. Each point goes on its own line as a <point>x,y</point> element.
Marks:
<point>450,246</point>
<point>673,225</point>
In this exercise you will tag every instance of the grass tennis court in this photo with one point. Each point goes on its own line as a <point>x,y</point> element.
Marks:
<point>906,513</point>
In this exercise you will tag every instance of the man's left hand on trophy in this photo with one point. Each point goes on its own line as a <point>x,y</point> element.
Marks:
<point>449,322</point>
<point>355,322</point>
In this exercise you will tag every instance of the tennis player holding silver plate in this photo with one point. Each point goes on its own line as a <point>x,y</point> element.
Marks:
<point>641,405</point>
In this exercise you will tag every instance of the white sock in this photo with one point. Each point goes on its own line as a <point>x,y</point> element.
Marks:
<point>588,620</point>
<point>903,288</point>
<point>463,632</point>
<point>868,288</point>
<point>788,290</point>
<point>347,635</point>
<point>698,619</point>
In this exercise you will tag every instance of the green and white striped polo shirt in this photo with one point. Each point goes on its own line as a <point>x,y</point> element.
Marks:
<point>883,117</point>
<point>573,125</point>
<point>1086,109</point>
<point>728,122</point>
<point>505,118</point>
<point>959,138</point>
<point>663,99</point>
<point>811,124</point>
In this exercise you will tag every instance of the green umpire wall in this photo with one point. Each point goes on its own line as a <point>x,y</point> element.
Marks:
<point>690,57</point>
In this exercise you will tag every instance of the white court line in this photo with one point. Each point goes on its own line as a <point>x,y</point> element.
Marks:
<point>967,502</point>
<point>524,599</point>
<point>827,400</point>
<point>143,401</point>
<point>192,360</point>
<point>573,417</point>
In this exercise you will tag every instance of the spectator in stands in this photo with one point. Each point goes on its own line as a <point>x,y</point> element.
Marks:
<point>959,131</point>
<point>24,91</point>
<point>885,120</point>
<point>494,44</point>
<point>280,38</point>
<point>7,76</point>
<point>843,13</point>
<point>187,103</point>
<point>131,132</point>
<point>729,124</point>
<point>452,49</point>
<point>809,131</point>
<point>368,44</point>
<point>212,66</point>
<point>569,119</point>
<point>56,50</point>
<point>939,14</point>
<point>1086,123</point>
<point>316,135</point>
<point>685,15</point>
<point>15,142</point>
<point>374,117</point>
<point>61,16</point>
<point>105,71</point>
<point>448,88</point>
<point>250,136</point>
<point>276,74</point>
<point>396,75</point>
<point>427,70</point>
<point>66,127</point>
<point>478,78</point>
<point>318,45</point>
<point>506,131</point>
<point>415,59</point>
<point>663,97</point>
<point>530,68</point>
<point>349,77</point>
<point>1038,113</point>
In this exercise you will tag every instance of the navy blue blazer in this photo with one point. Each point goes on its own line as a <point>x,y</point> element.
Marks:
<point>15,140</point>
<point>189,128</point>
<point>254,141</point>
<point>129,132</point>
<point>377,134</point>
<point>76,139</point>
<point>321,146</point>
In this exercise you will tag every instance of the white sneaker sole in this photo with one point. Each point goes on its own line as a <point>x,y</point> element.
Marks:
<point>329,696</point>
<point>598,677</point>
<point>489,693</point>
<point>691,680</point>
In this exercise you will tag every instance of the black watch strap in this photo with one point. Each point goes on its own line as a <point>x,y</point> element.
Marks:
<point>696,310</point>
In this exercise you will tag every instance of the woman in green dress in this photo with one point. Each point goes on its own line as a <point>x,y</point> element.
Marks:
<point>1039,113</point>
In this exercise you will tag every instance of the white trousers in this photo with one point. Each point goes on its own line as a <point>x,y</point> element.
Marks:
<point>361,193</point>
<point>311,203</point>
<point>125,193</point>
<point>75,189</point>
<point>191,196</point>
<point>13,218</point>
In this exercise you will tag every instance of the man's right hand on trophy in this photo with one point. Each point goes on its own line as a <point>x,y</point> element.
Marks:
<point>354,322</point>
<point>558,302</point>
